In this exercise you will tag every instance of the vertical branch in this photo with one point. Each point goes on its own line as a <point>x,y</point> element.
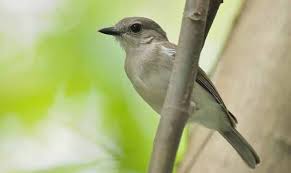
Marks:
<point>192,157</point>
<point>175,110</point>
<point>212,10</point>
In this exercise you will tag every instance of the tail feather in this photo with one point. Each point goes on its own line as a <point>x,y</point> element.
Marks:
<point>243,148</point>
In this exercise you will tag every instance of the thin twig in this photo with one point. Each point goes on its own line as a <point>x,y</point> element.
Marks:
<point>212,10</point>
<point>175,110</point>
<point>195,157</point>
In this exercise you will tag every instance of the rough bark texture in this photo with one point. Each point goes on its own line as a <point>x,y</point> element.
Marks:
<point>253,77</point>
<point>175,110</point>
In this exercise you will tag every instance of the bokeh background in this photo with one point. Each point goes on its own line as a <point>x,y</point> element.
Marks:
<point>66,105</point>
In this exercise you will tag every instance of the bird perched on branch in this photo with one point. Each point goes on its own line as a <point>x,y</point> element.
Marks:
<point>148,65</point>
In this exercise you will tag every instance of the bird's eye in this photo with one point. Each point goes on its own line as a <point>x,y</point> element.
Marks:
<point>135,27</point>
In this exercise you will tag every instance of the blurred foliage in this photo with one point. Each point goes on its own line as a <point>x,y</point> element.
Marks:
<point>50,50</point>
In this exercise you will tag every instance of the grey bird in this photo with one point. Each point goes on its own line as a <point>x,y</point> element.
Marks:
<point>148,65</point>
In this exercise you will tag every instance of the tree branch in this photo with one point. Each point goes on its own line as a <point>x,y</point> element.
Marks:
<point>212,10</point>
<point>175,110</point>
<point>194,154</point>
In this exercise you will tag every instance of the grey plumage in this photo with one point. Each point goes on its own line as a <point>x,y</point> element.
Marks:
<point>148,65</point>
<point>243,148</point>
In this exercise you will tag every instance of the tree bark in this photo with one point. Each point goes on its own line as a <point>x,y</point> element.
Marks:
<point>253,78</point>
<point>175,110</point>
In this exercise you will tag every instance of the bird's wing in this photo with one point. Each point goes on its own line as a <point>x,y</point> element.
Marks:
<point>203,80</point>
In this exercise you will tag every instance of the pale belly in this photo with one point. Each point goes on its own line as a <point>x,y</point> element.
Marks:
<point>208,112</point>
<point>151,79</point>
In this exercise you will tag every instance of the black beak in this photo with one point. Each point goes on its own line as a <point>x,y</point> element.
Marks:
<point>110,31</point>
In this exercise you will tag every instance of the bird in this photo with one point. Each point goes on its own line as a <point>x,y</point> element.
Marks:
<point>148,65</point>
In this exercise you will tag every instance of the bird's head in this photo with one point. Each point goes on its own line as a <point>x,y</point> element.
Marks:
<point>133,32</point>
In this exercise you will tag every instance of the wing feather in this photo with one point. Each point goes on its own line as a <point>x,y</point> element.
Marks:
<point>203,80</point>
<point>206,83</point>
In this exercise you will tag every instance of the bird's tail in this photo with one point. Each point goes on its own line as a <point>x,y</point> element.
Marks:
<point>243,148</point>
